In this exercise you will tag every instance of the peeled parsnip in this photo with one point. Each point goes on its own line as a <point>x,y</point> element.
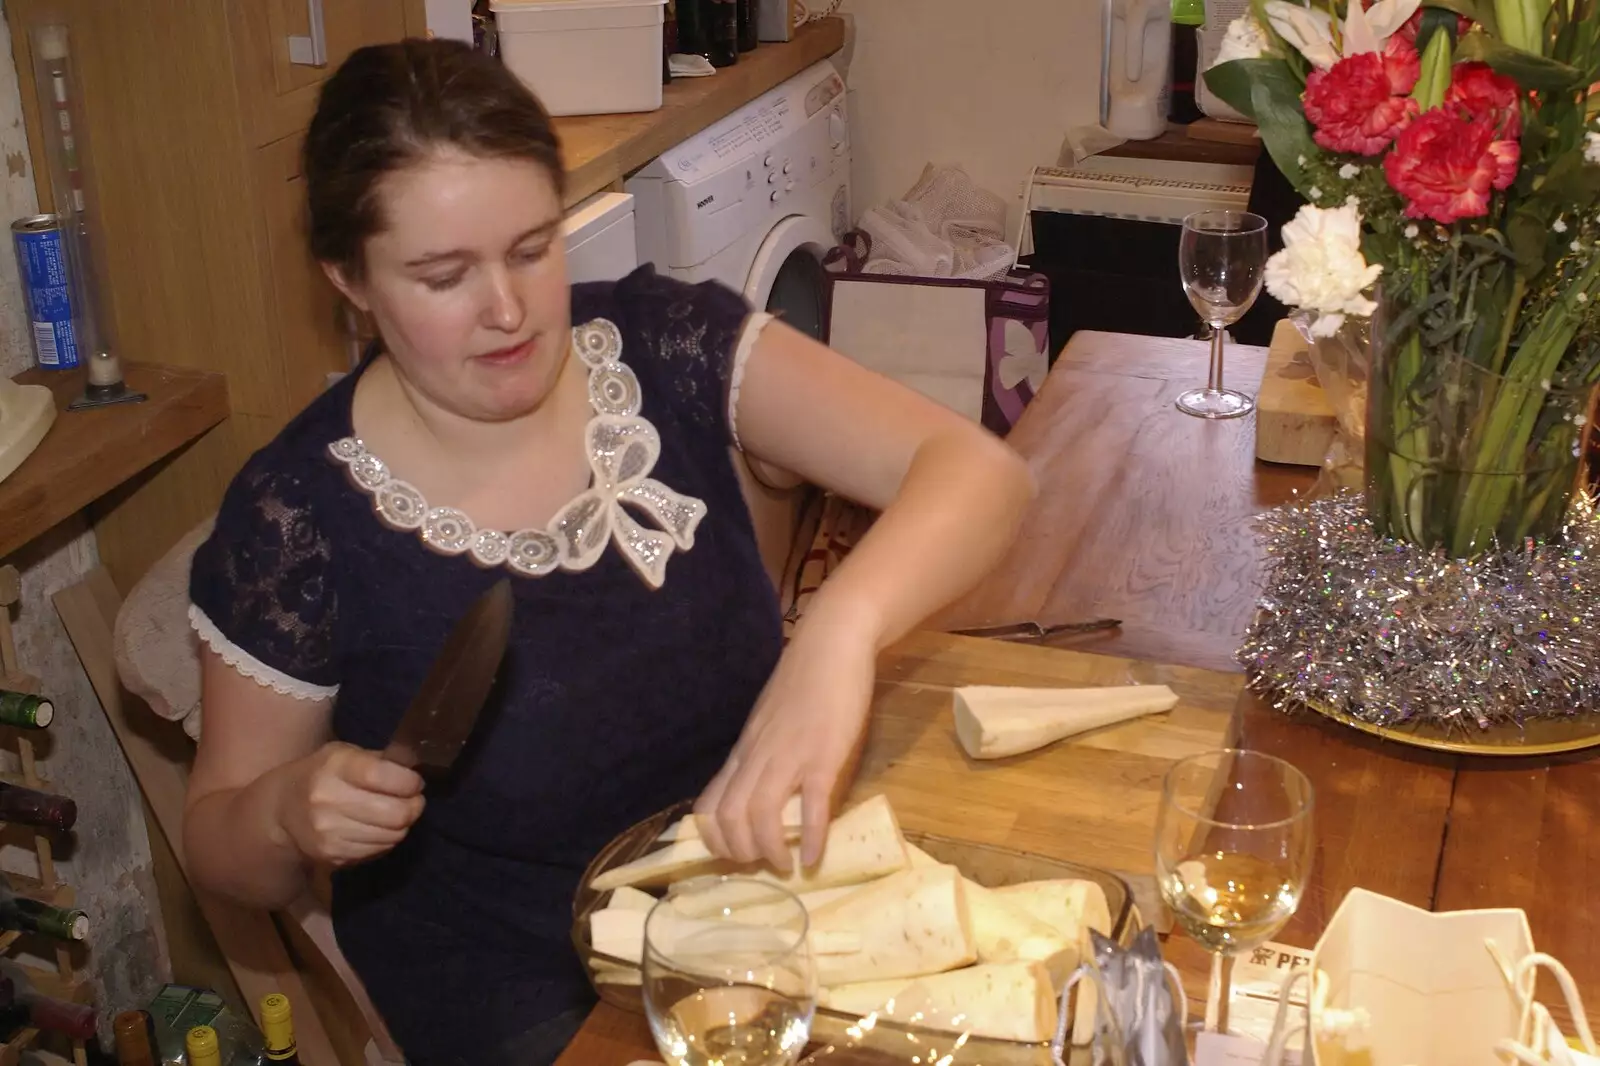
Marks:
<point>994,722</point>
<point>1004,1001</point>
<point>688,827</point>
<point>627,898</point>
<point>910,923</point>
<point>1004,932</point>
<point>864,842</point>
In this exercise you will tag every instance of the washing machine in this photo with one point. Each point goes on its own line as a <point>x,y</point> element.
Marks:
<point>756,200</point>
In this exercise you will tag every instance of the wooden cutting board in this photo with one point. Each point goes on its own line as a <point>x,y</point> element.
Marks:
<point>1295,423</point>
<point>1089,799</point>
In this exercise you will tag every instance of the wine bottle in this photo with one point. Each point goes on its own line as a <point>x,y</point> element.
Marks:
<point>201,1044</point>
<point>135,1046</point>
<point>31,916</point>
<point>722,31</point>
<point>28,1006</point>
<point>31,807</point>
<point>749,24</point>
<point>277,1028</point>
<point>25,710</point>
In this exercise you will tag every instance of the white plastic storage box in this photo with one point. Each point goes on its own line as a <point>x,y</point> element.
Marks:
<point>585,57</point>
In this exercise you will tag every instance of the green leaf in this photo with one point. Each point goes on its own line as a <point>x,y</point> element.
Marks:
<point>1528,231</point>
<point>1528,70</point>
<point>1481,13</point>
<point>1233,81</point>
<point>1435,78</point>
<point>1435,20</point>
<point>1275,102</point>
<point>1570,184</point>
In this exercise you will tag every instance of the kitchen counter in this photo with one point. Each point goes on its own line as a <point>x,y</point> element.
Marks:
<point>600,150</point>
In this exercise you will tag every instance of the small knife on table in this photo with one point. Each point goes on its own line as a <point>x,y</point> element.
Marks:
<point>436,726</point>
<point>1023,631</point>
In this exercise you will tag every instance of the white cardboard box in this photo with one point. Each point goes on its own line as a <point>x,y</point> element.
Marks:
<point>585,57</point>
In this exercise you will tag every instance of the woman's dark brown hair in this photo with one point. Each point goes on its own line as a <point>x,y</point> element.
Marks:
<point>390,106</point>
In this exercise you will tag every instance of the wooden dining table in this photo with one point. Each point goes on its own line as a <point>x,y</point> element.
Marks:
<point>1146,515</point>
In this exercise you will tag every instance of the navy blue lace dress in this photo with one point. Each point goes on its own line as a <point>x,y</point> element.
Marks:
<point>327,577</point>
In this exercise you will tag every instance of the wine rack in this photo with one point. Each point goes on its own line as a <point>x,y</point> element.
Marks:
<point>62,982</point>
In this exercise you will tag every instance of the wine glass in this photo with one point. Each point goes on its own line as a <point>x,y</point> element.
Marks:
<point>1221,257</point>
<point>728,974</point>
<point>1233,853</point>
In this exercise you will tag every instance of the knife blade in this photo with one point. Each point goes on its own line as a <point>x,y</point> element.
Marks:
<point>441,716</point>
<point>1024,631</point>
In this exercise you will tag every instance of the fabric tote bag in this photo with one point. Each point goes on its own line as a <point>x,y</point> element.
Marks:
<point>980,348</point>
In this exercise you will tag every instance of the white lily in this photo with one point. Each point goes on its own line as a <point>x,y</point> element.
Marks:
<point>1310,30</point>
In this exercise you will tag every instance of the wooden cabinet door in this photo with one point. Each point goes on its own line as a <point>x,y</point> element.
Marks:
<point>309,320</point>
<point>277,95</point>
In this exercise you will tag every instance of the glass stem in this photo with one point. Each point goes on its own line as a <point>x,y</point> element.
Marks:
<point>1220,993</point>
<point>1215,380</point>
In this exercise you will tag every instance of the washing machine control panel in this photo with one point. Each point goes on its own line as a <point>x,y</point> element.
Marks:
<point>760,163</point>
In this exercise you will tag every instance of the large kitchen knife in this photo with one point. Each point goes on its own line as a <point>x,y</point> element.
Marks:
<point>441,716</point>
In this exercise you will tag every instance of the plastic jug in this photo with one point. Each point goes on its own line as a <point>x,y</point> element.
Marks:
<point>1138,57</point>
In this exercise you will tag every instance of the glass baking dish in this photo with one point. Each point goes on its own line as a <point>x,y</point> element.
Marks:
<point>838,1036</point>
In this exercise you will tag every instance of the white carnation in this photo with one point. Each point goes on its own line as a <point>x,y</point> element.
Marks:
<point>1245,39</point>
<point>1321,267</point>
<point>1591,148</point>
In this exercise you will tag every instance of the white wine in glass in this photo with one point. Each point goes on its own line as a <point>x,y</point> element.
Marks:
<point>728,974</point>
<point>1233,852</point>
<point>1222,257</point>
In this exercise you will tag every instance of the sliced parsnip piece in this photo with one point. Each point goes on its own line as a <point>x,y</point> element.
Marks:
<point>765,913</point>
<point>993,722</point>
<point>834,942</point>
<point>1005,932</point>
<point>671,863</point>
<point>688,827</point>
<point>617,975</point>
<point>910,923</point>
<point>864,842</point>
<point>1072,908</point>
<point>1004,1001</point>
<point>1066,905</point>
<point>618,932</point>
<point>628,898</point>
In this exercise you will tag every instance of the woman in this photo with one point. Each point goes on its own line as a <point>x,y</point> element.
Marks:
<point>644,663</point>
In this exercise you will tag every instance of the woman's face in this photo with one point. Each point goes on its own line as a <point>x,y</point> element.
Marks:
<point>467,282</point>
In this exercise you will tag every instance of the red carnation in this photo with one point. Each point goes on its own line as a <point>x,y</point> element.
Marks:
<point>1445,163</point>
<point>1479,92</point>
<point>1361,102</point>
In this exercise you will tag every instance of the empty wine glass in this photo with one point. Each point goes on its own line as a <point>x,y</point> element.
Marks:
<point>1233,853</point>
<point>1221,257</point>
<point>728,974</point>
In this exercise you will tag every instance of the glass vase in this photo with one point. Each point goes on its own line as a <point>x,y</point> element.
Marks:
<point>1463,458</point>
<point>1340,355</point>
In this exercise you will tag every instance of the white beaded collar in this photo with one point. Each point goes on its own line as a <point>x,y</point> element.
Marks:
<point>623,448</point>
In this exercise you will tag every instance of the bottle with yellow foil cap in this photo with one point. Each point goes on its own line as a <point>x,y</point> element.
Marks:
<point>201,1044</point>
<point>277,1026</point>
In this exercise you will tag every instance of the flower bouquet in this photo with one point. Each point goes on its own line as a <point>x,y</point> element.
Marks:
<point>1449,152</point>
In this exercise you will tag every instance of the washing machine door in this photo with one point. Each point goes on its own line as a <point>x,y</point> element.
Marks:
<point>786,277</point>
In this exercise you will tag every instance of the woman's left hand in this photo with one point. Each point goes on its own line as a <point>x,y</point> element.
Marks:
<point>799,738</point>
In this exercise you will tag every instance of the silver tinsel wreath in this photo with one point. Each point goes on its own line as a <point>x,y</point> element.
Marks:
<point>1389,634</point>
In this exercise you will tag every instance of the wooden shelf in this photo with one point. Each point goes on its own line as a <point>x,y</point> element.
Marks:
<point>90,452</point>
<point>601,149</point>
<point>1206,141</point>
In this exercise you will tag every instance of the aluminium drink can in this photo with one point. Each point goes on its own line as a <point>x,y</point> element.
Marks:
<point>46,279</point>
